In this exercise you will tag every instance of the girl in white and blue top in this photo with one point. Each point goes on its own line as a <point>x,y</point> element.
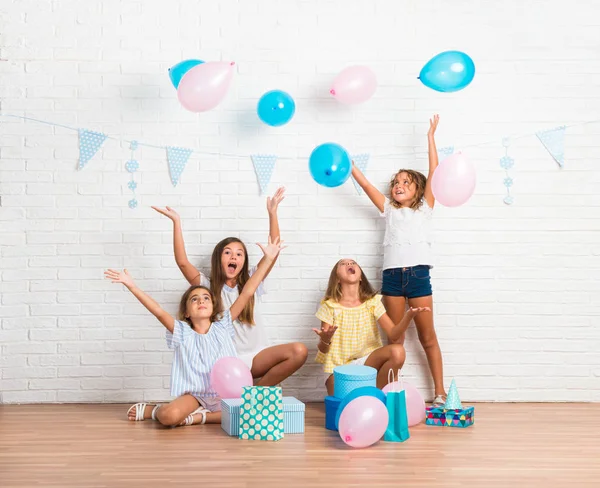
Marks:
<point>200,336</point>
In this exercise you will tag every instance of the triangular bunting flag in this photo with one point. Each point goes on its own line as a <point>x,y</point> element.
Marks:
<point>444,152</point>
<point>453,400</point>
<point>361,161</point>
<point>89,143</point>
<point>177,158</point>
<point>264,164</point>
<point>554,142</point>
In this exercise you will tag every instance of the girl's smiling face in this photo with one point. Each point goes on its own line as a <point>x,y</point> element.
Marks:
<point>404,189</point>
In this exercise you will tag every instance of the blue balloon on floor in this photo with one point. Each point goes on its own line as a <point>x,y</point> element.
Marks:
<point>177,71</point>
<point>330,165</point>
<point>276,108</point>
<point>449,71</point>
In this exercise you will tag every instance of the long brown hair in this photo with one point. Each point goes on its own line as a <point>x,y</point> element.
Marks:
<point>334,287</point>
<point>218,278</point>
<point>413,177</point>
<point>181,313</point>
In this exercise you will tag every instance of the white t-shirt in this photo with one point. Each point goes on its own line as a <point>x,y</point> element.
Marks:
<point>249,339</point>
<point>407,240</point>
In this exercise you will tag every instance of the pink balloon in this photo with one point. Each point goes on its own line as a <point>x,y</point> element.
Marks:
<point>453,182</point>
<point>415,405</point>
<point>355,84</point>
<point>228,376</point>
<point>363,421</point>
<point>204,86</point>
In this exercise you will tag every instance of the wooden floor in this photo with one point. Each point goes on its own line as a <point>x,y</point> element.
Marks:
<point>510,445</point>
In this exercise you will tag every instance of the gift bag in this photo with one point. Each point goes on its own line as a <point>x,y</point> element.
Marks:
<point>261,413</point>
<point>397,430</point>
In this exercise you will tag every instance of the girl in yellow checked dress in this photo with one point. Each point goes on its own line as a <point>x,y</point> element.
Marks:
<point>349,314</point>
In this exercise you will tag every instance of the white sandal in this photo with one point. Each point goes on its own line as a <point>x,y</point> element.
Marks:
<point>140,408</point>
<point>439,401</point>
<point>190,418</point>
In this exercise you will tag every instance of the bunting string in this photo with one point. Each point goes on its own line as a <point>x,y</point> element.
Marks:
<point>407,154</point>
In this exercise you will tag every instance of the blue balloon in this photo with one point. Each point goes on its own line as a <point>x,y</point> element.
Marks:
<point>449,71</point>
<point>276,108</point>
<point>330,165</point>
<point>177,71</point>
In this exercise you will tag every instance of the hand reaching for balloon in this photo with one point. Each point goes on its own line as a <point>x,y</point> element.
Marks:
<point>326,332</point>
<point>272,249</point>
<point>168,212</point>
<point>120,277</point>
<point>274,201</point>
<point>433,123</point>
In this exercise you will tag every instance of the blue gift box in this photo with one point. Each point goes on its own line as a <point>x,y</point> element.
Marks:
<point>446,417</point>
<point>331,407</point>
<point>351,377</point>
<point>293,415</point>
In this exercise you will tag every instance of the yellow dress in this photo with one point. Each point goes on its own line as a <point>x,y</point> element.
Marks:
<point>357,334</point>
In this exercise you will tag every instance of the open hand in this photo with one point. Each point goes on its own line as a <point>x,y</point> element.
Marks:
<point>412,311</point>
<point>119,277</point>
<point>168,212</point>
<point>326,332</point>
<point>274,201</point>
<point>272,249</point>
<point>433,123</point>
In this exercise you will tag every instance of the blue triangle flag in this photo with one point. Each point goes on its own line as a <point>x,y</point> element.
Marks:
<point>177,158</point>
<point>554,142</point>
<point>264,164</point>
<point>89,143</point>
<point>361,161</point>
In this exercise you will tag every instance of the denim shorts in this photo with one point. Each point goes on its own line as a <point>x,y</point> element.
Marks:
<point>413,282</point>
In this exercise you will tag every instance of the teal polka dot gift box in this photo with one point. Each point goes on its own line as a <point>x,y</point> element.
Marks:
<point>261,413</point>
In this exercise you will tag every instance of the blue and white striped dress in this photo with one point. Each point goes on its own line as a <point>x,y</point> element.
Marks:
<point>195,355</point>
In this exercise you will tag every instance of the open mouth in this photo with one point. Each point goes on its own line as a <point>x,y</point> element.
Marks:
<point>351,271</point>
<point>232,267</point>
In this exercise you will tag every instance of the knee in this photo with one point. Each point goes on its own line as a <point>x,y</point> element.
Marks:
<point>169,416</point>
<point>428,340</point>
<point>299,352</point>
<point>397,354</point>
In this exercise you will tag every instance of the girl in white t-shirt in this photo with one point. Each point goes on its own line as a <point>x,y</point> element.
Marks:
<point>407,255</point>
<point>270,365</point>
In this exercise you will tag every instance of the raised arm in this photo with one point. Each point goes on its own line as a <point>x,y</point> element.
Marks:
<point>433,159</point>
<point>394,332</point>
<point>188,269</point>
<point>271,251</point>
<point>272,206</point>
<point>154,308</point>
<point>373,193</point>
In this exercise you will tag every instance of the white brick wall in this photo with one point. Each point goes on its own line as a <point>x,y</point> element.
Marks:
<point>514,286</point>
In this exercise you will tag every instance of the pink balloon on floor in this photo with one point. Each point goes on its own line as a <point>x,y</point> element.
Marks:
<point>363,421</point>
<point>415,405</point>
<point>355,84</point>
<point>204,86</point>
<point>228,376</point>
<point>453,182</point>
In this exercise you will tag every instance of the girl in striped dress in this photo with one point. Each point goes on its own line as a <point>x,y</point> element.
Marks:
<point>201,335</point>
<point>353,309</point>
